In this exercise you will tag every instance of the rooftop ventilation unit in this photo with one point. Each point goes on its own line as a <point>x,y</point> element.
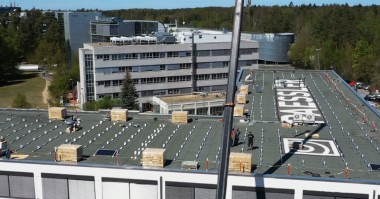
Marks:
<point>121,40</point>
<point>309,118</point>
<point>297,118</point>
<point>165,38</point>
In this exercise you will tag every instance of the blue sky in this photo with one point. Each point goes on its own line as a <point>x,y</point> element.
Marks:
<point>162,4</point>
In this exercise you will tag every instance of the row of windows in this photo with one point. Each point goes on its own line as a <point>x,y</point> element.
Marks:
<point>179,78</point>
<point>157,80</point>
<point>212,76</point>
<point>149,55</point>
<point>181,66</point>
<point>248,51</point>
<point>113,83</point>
<point>158,55</point>
<point>153,80</point>
<point>219,76</point>
<point>89,77</point>
<point>208,53</point>
<point>123,56</point>
<point>152,55</point>
<point>225,52</point>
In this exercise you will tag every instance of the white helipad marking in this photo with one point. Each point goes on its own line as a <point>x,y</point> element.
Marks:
<point>309,149</point>
<point>326,150</point>
<point>325,147</point>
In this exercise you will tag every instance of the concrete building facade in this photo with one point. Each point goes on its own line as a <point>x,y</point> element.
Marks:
<point>160,69</point>
<point>77,28</point>
<point>104,28</point>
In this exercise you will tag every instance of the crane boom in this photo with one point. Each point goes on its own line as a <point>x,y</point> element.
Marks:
<point>229,105</point>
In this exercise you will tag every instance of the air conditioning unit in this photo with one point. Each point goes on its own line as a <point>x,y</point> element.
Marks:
<point>297,118</point>
<point>309,118</point>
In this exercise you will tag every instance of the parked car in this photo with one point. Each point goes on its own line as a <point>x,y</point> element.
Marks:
<point>352,83</point>
<point>360,85</point>
<point>367,87</point>
<point>373,97</point>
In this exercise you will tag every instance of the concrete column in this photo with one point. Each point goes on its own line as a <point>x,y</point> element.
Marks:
<point>38,185</point>
<point>161,188</point>
<point>229,191</point>
<point>195,108</point>
<point>298,194</point>
<point>98,187</point>
<point>208,108</point>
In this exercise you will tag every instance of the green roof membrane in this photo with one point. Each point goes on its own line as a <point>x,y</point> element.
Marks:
<point>345,139</point>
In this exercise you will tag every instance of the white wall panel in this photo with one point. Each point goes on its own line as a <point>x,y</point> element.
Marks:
<point>81,189</point>
<point>21,186</point>
<point>204,193</point>
<point>55,188</point>
<point>142,191</point>
<point>115,190</point>
<point>4,186</point>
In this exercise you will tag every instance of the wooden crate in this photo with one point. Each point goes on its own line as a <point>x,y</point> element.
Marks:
<point>241,98</point>
<point>286,125</point>
<point>244,89</point>
<point>119,115</point>
<point>69,153</point>
<point>180,117</point>
<point>239,110</point>
<point>57,113</point>
<point>244,158</point>
<point>153,157</point>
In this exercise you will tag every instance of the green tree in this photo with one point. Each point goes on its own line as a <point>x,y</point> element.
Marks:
<point>59,86</point>
<point>7,62</point>
<point>104,103</point>
<point>363,61</point>
<point>107,103</point>
<point>89,106</point>
<point>128,93</point>
<point>20,101</point>
<point>375,80</point>
<point>62,82</point>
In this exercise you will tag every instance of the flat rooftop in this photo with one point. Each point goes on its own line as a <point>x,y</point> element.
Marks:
<point>346,136</point>
<point>194,97</point>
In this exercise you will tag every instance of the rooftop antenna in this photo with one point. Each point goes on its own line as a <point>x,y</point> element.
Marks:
<point>229,104</point>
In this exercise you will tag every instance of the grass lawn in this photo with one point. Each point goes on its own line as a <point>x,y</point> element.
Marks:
<point>29,84</point>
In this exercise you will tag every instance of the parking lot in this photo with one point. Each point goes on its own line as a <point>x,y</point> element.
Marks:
<point>363,93</point>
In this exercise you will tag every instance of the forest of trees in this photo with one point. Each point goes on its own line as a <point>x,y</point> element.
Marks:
<point>348,36</point>
<point>37,38</point>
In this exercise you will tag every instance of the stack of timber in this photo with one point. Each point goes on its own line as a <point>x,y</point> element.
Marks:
<point>57,113</point>
<point>69,153</point>
<point>119,115</point>
<point>153,157</point>
<point>240,162</point>
<point>180,117</point>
